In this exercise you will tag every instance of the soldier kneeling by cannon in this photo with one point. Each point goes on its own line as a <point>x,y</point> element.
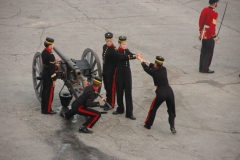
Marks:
<point>76,74</point>
<point>82,106</point>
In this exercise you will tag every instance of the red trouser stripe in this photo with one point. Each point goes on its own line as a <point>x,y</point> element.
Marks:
<point>153,102</point>
<point>50,98</point>
<point>113,88</point>
<point>80,109</point>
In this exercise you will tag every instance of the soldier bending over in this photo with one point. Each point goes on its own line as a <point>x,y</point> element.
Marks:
<point>163,91</point>
<point>82,106</point>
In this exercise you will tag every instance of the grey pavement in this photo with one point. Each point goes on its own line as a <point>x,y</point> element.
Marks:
<point>207,105</point>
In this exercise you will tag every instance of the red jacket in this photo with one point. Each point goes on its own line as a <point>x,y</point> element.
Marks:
<point>208,18</point>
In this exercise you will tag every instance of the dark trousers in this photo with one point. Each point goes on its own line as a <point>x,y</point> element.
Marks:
<point>109,85</point>
<point>47,92</point>
<point>124,85</point>
<point>162,94</point>
<point>78,108</point>
<point>206,54</point>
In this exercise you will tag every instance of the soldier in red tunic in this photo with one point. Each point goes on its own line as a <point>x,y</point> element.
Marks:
<point>207,28</point>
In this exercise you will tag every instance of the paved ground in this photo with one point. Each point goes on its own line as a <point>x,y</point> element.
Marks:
<point>207,106</point>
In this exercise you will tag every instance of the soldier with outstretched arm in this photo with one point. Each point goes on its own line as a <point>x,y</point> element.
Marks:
<point>163,91</point>
<point>124,78</point>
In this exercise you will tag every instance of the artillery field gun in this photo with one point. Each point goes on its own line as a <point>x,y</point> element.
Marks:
<point>70,71</point>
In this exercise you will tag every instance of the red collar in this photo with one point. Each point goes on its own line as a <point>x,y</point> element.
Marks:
<point>49,50</point>
<point>95,88</point>
<point>110,46</point>
<point>120,49</point>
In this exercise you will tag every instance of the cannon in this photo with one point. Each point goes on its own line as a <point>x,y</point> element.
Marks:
<point>71,71</point>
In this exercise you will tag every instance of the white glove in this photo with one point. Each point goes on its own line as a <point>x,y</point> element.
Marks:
<point>216,38</point>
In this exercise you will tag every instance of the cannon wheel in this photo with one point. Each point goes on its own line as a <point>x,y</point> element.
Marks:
<point>94,62</point>
<point>37,75</point>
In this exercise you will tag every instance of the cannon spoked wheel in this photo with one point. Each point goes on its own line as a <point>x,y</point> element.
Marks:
<point>37,67</point>
<point>94,63</point>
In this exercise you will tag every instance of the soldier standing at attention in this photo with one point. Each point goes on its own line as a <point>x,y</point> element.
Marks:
<point>207,28</point>
<point>108,69</point>
<point>48,76</point>
<point>82,106</point>
<point>124,78</point>
<point>163,92</point>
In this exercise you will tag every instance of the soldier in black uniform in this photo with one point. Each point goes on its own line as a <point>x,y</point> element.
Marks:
<point>82,106</point>
<point>108,69</point>
<point>124,78</point>
<point>48,76</point>
<point>163,92</point>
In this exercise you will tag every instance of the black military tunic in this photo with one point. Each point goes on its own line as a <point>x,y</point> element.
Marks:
<point>163,93</point>
<point>108,73</point>
<point>82,106</point>
<point>124,80</point>
<point>48,76</point>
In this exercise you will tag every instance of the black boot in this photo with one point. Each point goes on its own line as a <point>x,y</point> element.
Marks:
<point>131,117</point>
<point>117,112</point>
<point>103,106</point>
<point>84,129</point>
<point>106,108</point>
<point>173,130</point>
<point>147,126</point>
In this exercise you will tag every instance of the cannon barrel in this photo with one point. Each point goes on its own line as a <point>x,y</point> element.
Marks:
<point>70,64</point>
<point>68,61</point>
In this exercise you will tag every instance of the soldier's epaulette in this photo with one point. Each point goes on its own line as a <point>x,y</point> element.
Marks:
<point>51,52</point>
<point>115,48</point>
